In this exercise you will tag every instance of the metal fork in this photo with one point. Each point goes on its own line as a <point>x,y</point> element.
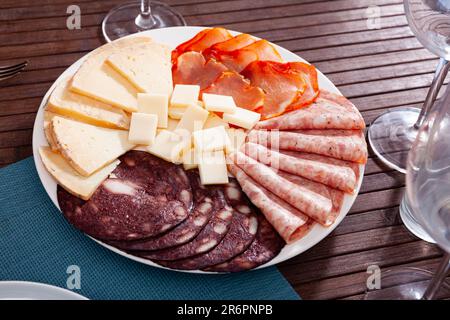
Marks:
<point>10,71</point>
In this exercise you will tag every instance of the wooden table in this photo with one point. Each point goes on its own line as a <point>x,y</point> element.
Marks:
<point>376,68</point>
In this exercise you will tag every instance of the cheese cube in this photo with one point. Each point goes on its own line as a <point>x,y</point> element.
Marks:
<point>154,104</point>
<point>172,124</point>
<point>201,104</point>
<point>168,146</point>
<point>176,113</point>
<point>193,119</point>
<point>214,121</point>
<point>142,128</point>
<point>242,118</point>
<point>237,138</point>
<point>190,159</point>
<point>184,95</point>
<point>219,103</point>
<point>211,139</point>
<point>212,168</point>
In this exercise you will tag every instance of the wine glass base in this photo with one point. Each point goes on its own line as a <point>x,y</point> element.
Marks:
<point>392,134</point>
<point>121,21</point>
<point>411,223</point>
<point>405,283</point>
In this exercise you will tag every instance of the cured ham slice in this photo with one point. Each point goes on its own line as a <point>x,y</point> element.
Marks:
<point>309,74</point>
<point>281,85</point>
<point>232,44</point>
<point>310,203</point>
<point>340,144</point>
<point>329,111</point>
<point>289,222</point>
<point>230,83</point>
<point>335,176</point>
<point>192,68</point>
<point>203,40</point>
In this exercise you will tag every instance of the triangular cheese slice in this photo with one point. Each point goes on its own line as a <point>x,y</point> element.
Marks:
<point>98,80</point>
<point>146,65</point>
<point>48,130</point>
<point>67,103</point>
<point>69,179</point>
<point>88,148</point>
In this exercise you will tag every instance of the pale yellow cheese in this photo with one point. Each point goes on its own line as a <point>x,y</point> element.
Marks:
<point>190,159</point>
<point>237,138</point>
<point>176,113</point>
<point>212,167</point>
<point>219,103</point>
<point>146,65</point>
<point>157,104</point>
<point>193,119</point>
<point>184,95</point>
<point>67,103</point>
<point>69,178</point>
<point>211,139</point>
<point>100,81</point>
<point>242,118</point>
<point>142,128</point>
<point>172,124</point>
<point>215,121</point>
<point>88,148</point>
<point>168,146</point>
<point>48,129</point>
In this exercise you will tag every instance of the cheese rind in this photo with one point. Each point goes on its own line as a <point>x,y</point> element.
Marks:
<point>48,129</point>
<point>184,95</point>
<point>215,121</point>
<point>211,139</point>
<point>69,178</point>
<point>212,168</point>
<point>146,65</point>
<point>143,128</point>
<point>168,146</point>
<point>157,104</point>
<point>88,148</point>
<point>242,118</point>
<point>219,103</point>
<point>67,103</point>
<point>193,119</point>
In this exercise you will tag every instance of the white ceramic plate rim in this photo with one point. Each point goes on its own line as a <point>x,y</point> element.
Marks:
<point>172,37</point>
<point>24,290</point>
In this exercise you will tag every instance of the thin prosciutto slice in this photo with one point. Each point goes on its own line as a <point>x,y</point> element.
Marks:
<point>347,145</point>
<point>339,177</point>
<point>192,68</point>
<point>309,74</point>
<point>310,203</point>
<point>281,85</point>
<point>232,44</point>
<point>329,111</point>
<point>203,40</point>
<point>230,83</point>
<point>290,223</point>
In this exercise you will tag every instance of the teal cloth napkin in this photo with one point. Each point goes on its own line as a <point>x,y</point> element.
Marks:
<point>38,244</point>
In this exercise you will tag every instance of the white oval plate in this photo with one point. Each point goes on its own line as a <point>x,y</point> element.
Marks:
<point>23,290</point>
<point>173,37</point>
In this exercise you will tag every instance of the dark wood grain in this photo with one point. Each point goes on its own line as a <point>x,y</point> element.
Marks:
<point>377,69</point>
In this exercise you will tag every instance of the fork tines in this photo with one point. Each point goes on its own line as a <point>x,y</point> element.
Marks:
<point>10,71</point>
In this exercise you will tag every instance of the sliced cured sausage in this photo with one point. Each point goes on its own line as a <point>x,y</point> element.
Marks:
<point>306,201</point>
<point>329,111</point>
<point>207,200</point>
<point>143,197</point>
<point>264,248</point>
<point>335,176</point>
<point>340,144</point>
<point>289,222</point>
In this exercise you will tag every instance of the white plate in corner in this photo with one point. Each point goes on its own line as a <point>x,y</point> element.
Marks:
<point>172,37</point>
<point>23,290</point>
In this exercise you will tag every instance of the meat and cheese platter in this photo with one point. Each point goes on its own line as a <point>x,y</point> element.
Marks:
<point>199,149</point>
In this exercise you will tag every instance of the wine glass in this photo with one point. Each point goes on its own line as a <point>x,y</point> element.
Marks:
<point>139,16</point>
<point>428,192</point>
<point>392,134</point>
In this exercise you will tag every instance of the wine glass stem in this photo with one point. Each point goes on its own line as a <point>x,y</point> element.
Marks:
<point>145,19</point>
<point>438,278</point>
<point>439,77</point>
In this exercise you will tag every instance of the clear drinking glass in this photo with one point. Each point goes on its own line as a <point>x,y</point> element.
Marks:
<point>428,192</point>
<point>392,134</point>
<point>139,16</point>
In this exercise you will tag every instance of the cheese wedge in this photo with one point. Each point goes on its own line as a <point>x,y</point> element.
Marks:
<point>98,80</point>
<point>70,179</point>
<point>48,129</point>
<point>67,103</point>
<point>88,148</point>
<point>146,65</point>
